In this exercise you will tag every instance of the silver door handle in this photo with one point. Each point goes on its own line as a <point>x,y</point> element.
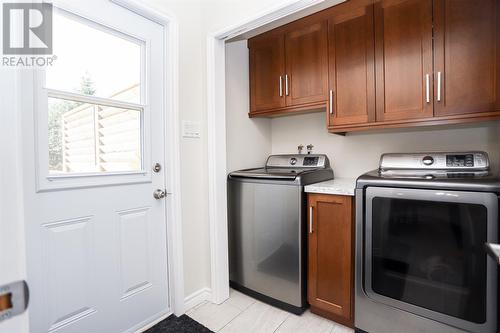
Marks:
<point>286,84</point>
<point>439,87</point>
<point>159,194</point>
<point>427,89</point>
<point>494,251</point>
<point>331,102</point>
<point>281,86</point>
<point>311,220</point>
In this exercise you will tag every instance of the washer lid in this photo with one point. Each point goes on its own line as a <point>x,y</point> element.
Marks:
<point>269,173</point>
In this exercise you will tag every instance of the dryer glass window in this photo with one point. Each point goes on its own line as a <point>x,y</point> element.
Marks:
<point>430,254</point>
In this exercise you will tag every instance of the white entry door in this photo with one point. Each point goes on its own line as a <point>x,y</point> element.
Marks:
<point>95,234</point>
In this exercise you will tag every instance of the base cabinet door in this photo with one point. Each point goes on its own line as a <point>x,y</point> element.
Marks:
<point>351,64</point>
<point>466,57</point>
<point>330,257</point>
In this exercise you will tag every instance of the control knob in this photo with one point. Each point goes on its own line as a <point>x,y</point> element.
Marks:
<point>428,160</point>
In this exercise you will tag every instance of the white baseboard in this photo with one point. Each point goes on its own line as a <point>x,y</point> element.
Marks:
<point>199,296</point>
<point>150,323</point>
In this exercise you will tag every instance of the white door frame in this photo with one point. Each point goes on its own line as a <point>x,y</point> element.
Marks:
<point>172,154</point>
<point>216,108</point>
<point>12,240</point>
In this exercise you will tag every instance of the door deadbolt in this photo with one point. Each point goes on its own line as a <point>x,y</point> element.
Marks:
<point>159,194</point>
<point>157,167</point>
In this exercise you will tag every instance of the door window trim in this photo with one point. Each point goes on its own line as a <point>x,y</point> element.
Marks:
<point>489,200</point>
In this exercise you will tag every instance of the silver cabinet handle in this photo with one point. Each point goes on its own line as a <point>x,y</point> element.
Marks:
<point>439,87</point>
<point>281,86</point>
<point>427,89</point>
<point>331,102</point>
<point>311,220</point>
<point>286,84</point>
<point>494,251</point>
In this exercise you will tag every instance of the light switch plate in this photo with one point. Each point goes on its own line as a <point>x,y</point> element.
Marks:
<point>191,129</point>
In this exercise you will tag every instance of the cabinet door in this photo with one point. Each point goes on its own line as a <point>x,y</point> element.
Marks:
<point>351,64</point>
<point>306,63</point>
<point>267,68</point>
<point>467,56</point>
<point>403,59</point>
<point>330,272</point>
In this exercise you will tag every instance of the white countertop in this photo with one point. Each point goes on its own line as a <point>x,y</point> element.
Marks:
<point>338,186</point>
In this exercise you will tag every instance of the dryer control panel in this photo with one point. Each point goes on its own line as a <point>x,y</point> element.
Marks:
<point>453,161</point>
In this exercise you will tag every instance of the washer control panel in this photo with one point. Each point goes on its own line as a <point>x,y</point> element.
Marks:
<point>298,161</point>
<point>470,161</point>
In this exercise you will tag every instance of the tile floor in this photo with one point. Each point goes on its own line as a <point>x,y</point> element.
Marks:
<point>241,313</point>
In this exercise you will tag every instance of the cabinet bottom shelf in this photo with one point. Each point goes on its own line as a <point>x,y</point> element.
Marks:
<point>424,122</point>
<point>290,110</point>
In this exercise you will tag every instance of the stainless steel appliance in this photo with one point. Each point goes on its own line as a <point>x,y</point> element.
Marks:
<point>267,228</point>
<point>425,224</point>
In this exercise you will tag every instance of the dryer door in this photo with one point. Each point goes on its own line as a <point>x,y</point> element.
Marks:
<point>425,254</point>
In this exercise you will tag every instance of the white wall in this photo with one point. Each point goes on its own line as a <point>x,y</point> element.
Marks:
<point>249,140</point>
<point>356,153</point>
<point>193,151</point>
<point>198,18</point>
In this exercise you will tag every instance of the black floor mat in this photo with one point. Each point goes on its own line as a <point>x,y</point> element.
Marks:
<point>182,324</point>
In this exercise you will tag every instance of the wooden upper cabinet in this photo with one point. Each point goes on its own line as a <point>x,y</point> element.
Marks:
<point>289,68</point>
<point>403,58</point>
<point>267,68</point>
<point>306,60</point>
<point>466,56</point>
<point>382,63</point>
<point>330,257</point>
<point>351,64</point>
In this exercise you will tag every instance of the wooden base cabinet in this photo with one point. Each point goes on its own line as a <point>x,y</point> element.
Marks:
<point>331,257</point>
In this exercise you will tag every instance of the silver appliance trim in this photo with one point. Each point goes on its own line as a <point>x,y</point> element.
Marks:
<point>262,175</point>
<point>489,200</point>
<point>431,174</point>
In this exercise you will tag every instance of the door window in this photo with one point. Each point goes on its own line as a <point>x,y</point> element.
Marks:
<point>95,99</point>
